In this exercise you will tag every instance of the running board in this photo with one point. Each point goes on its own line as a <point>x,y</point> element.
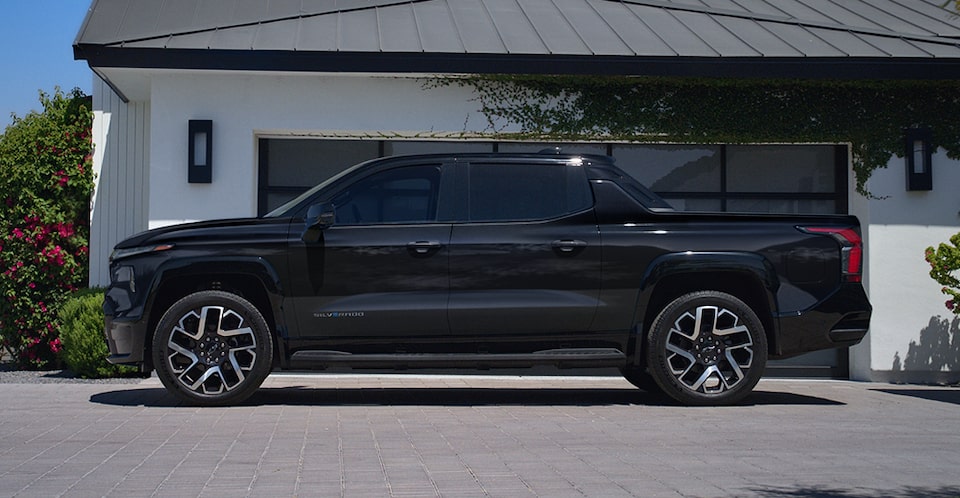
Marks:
<point>563,358</point>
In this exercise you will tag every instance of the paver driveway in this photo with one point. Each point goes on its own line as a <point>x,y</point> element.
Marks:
<point>423,435</point>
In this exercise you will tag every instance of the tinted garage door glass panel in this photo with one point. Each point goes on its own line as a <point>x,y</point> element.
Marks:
<point>503,192</point>
<point>299,163</point>
<point>794,179</point>
<point>781,168</point>
<point>693,204</point>
<point>804,206</point>
<point>433,147</point>
<point>569,148</point>
<point>672,168</point>
<point>288,167</point>
<point>692,177</point>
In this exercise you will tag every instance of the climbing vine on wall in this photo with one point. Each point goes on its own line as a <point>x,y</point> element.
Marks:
<point>869,115</point>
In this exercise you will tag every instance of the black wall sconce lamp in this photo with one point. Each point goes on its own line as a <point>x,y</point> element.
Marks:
<point>918,155</point>
<point>200,160</point>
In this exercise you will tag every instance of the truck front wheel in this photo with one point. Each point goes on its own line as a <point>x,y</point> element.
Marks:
<point>706,348</point>
<point>212,348</point>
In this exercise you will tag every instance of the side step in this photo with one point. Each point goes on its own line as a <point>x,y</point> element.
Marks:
<point>563,358</point>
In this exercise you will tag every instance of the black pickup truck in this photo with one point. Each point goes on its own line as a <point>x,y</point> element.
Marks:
<point>485,261</point>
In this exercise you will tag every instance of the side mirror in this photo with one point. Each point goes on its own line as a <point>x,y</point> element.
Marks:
<point>319,218</point>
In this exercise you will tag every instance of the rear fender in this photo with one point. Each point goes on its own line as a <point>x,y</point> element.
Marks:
<point>748,276</point>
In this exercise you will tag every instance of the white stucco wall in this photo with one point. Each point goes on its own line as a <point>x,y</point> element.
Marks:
<point>909,338</point>
<point>246,106</point>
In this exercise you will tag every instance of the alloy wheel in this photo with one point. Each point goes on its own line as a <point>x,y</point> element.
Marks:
<point>211,350</point>
<point>709,349</point>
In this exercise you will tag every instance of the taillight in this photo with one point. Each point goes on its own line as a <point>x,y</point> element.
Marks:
<point>851,251</point>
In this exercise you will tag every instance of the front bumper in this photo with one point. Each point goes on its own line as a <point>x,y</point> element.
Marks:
<point>125,327</point>
<point>840,320</point>
<point>125,340</point>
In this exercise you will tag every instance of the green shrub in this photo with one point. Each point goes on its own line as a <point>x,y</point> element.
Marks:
<point>84,349</point>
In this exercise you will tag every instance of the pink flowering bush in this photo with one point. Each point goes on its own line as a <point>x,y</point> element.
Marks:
<point>945,269</point>
<point>46,180</point>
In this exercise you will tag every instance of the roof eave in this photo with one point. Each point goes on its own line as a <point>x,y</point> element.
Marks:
<point>845,68</point>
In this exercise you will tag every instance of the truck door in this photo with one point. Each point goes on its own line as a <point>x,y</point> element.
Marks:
<point>381,269</point>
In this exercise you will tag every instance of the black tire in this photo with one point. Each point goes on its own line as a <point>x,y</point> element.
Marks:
<point>212,348</point>
<point>693,362</point>
<point>639,377</point>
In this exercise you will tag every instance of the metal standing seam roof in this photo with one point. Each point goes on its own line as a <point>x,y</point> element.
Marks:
<point>781,38</point>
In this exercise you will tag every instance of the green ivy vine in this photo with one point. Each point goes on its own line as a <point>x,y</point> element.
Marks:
<point>869,115</point>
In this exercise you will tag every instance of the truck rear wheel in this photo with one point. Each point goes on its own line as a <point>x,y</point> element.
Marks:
<point>212,348</point>
<point>706,348</point>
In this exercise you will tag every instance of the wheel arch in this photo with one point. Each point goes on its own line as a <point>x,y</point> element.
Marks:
<point>250,278</point>
<point>747,276</point>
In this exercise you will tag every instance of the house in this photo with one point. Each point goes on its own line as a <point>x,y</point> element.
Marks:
<point>228,108</point>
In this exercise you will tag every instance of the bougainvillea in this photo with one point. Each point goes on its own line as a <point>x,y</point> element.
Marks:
<point>945,269</point>
<point>46,180</point>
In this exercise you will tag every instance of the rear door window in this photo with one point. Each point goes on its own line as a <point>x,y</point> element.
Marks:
<point>526,192</point>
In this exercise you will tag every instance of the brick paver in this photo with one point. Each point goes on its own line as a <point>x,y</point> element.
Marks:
<point>465,436</point>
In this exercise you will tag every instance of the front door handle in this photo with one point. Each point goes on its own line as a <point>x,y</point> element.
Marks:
<point>568,246</point>
<point>423,246</point>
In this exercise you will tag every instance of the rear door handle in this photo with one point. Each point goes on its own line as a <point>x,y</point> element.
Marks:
<point>567,245</point>
<point>423,246</point>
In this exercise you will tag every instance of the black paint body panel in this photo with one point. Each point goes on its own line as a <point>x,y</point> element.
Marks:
<point>556,290</point>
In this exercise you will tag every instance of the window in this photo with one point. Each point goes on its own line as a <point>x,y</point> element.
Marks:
<point>691,177</point>
<point>789,179</point>
<point>672,168</point>
<point>402,195</point>
<point>512,192</point>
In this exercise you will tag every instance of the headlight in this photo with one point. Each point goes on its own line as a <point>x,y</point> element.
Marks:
<point>124,276</point>
<point>134,251</point>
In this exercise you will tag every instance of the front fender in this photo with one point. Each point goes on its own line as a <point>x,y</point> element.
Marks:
<point>254,266</point>
<point>193,268</point>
